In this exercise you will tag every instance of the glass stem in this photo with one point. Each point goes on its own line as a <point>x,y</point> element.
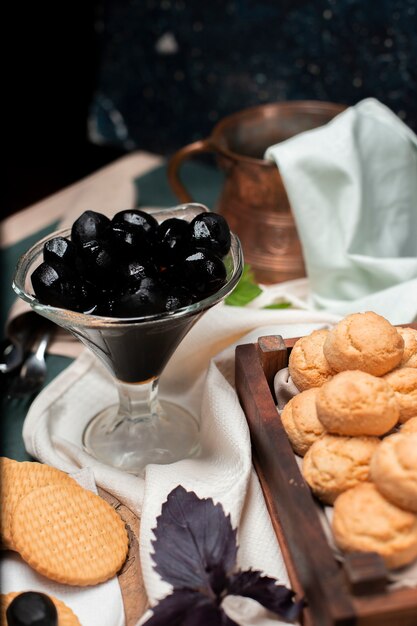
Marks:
<point>138,401</point>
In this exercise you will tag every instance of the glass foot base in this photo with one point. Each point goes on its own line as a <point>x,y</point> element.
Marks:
<point>130,445</point>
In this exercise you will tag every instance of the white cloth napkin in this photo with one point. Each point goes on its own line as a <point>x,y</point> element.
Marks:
<point>199,376</point>
<point>352,186</point>
<point>100,604</point>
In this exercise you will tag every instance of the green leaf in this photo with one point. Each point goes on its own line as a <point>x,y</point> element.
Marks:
<point>246,290</point>
<point>278,305</point>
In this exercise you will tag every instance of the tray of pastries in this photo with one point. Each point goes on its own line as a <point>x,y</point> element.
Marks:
<point>333,423</point>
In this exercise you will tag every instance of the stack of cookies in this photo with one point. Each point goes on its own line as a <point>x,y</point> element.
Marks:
<point>64,532</point>
<point>354,422</point>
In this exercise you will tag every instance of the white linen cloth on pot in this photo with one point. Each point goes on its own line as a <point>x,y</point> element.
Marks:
<point>352,186</point>
<point>223,470</point>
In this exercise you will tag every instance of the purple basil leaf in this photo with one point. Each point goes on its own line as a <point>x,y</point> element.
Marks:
<point>188,608</point>
<point>217,579</point>
<point>276,598</point>
<point>195,543</point>
<point>208,615</point>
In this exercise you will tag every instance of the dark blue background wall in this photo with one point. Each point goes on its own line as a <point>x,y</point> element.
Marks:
<point>170,69</point>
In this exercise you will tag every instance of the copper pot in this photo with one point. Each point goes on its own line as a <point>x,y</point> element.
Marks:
<point>253,198</point>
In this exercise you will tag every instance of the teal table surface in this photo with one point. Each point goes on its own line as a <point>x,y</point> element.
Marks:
<point>204,184</point>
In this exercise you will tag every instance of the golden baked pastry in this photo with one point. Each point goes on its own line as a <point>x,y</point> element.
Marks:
<point>356,403</point>
<point>394,470</point>
<point>404,383</point>
<point>307,364</point>
<point>410,346</point>
<point>410,426</point>
<point>299,418</point>
<point>364,341</point>
<point>334,464</point>
<point>364,521</point>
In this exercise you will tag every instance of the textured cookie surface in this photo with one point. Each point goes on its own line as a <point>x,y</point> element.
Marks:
<point>66,617</point>
<point>404,383</point>
<point>394,470</point>
<point>410,426</point>
<point>364,521</point>
<point>366,342</point>
<point>356,403</point>
<point>69,535</point>
<point>17,480</point>
<point>300,421</point>
<point>334,464</point>
<point>307,364</point>
<point>409,336</point>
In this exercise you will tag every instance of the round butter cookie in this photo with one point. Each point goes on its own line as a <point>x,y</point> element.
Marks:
<point>69,535</point>
<point>334,464</point>
<point>307,364</point>
<point>299,418</point>
<point>394,470</point>
<point>410,426</point>
<point>404,383</point>
<point>17,480</point>
<point>409,336</point>
<point>356,403</point>
<point>366,342</point>
<point>364,521</point>
<point>66,617</point>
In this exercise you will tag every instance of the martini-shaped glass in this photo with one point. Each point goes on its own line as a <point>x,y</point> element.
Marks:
<point>141,429</point>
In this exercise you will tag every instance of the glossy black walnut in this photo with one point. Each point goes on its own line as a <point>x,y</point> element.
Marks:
<point>134,271</point>
<point>202,272</point>
<point>90,226</point>
<point>136,218</point>
<point>105,298</point>
<point>32,609</point>
<point>58,286</point>
<point>173,236</point>
<point>133,232</point>
<point>146,299</point>
<point>98,262</point>
<point>210,230</point>
<point>176,298</point>
<point>60,250</point>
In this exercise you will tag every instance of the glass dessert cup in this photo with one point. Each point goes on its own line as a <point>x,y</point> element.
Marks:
<point>141,429</point>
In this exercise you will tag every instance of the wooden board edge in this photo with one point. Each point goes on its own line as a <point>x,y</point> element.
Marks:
<point>327,595</point>
<point>130,578</point>
<point>397,608</point>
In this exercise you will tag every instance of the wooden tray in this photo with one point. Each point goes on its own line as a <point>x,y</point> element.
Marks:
<point>130,576</point>
<point>354,594</point>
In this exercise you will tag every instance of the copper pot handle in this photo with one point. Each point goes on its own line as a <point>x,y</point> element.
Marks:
<point>175,162</point>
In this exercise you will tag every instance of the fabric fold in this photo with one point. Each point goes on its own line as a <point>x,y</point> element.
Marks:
<point>352,186</point>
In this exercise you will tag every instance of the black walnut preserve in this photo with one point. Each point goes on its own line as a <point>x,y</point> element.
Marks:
<point>133,267</point>
<point>32,609</point>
